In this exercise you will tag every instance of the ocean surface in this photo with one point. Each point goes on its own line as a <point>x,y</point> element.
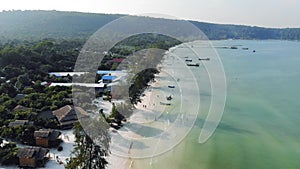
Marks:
<point>260,127</point>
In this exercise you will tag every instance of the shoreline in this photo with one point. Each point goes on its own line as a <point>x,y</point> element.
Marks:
<point>158,124</point>
<point>152,135</point>
<point>141,116</point>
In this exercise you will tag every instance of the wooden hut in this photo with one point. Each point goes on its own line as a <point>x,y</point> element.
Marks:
<point>33,157</point>
<point>47,138</point>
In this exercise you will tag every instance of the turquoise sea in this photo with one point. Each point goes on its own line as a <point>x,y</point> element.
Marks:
<point>260,128</point>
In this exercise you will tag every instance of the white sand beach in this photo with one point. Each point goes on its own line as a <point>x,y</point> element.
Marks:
<point>157,124</point>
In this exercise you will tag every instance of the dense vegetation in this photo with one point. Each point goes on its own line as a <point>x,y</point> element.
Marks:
<point>220,31</point>
<point>53,24</point>
<point>50,24</point>
<point>141,83</point>
<point>26,64</point>
<point>8,153</point>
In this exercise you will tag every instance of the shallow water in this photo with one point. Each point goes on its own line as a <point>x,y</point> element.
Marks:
<point>260,125</point>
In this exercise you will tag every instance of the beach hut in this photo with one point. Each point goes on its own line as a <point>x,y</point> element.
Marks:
<point>67,115</point>
<point>33,157</point>
<point>19,123</point>
<point>47,138</point>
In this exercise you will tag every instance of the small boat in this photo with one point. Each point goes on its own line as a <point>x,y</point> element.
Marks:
<point>171,86</point>
<point>167,104</point>
<point>188,60</point>
<point>193,64</point>
<point>233,47</point>
<point>204,59</point>
<point>169,98</point>
<point>245,48</point>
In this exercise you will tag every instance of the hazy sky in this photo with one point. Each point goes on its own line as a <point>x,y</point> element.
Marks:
<point>269,13</point>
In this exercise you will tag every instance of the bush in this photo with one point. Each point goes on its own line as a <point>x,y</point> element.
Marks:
<point>8,154</point>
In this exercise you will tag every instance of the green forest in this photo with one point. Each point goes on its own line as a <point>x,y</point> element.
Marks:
<point>30,25</point>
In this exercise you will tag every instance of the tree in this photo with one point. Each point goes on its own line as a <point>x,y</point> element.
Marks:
<point>9,89</point>
<point>88,154</point>
<point>8,153</point>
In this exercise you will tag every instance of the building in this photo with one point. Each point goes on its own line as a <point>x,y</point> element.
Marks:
<point>108,78</point>
<point>20,108</point>
<point>65,74</point>
<point>18,123</point>
<point>112,72</point>
<point>20,96</point>
<point>117,60</point>
<point>46,115</point>
<point>67,115</point>
<point>33,157</point>
<point>47,138</point>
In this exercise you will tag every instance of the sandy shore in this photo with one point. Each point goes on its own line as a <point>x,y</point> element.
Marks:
<point>147,111</point>
<point>158,124</point>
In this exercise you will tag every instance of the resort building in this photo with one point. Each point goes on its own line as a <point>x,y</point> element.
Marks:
<point>47,138</point>
<point>19,123</point>
<point>67,115</point>
<point>64,74</point>
<point>108,79</point>
<point>20,108</point>
<point>33,157</point>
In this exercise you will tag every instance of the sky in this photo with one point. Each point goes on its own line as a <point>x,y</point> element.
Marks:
<point>266,13</point>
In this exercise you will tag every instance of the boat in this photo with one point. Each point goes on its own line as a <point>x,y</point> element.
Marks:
<point>169,98</point>
<point>167,104</point>
<point>245,48</point>
<point>204,59</point>
<point>171,86</point>
<point>188,60</point>
<point>193,64</point>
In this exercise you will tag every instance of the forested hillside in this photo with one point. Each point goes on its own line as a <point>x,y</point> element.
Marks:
<point>54,24</point>
<point>50,24</point>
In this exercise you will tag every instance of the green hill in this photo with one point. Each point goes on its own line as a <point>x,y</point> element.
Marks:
<point>50,24</point>
<point>56,24</point>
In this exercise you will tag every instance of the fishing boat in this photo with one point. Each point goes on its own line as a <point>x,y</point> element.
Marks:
<point>169,98</point>
<point>167,104</point>
<point>193,64</point>
<point>204,59</point>
<point>171,86</point>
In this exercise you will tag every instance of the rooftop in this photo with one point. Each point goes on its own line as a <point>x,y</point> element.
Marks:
<point>32,152</point>
<point>79,84</point>
<point>108,77</point>
<point>68,113</point>
<point>20,108</point>
<point>63,74</point>
<point>18,123</point>
<point>47,133</point>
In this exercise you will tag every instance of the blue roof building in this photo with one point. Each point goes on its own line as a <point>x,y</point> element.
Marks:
<point>108,78</point>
